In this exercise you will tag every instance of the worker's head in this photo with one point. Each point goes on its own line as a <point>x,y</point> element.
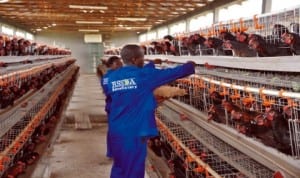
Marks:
<point>133,55</point>
<point>114,62</point>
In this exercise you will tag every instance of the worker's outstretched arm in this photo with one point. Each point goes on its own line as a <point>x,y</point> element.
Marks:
<point>158,77</point>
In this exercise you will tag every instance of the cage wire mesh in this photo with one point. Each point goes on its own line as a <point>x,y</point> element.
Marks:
<point>223,168</point>
<point>253,106</point>
<point>18,126</point>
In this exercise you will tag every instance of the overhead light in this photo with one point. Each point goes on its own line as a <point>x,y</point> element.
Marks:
<point>88,30</point>
<point>38,29</point>
<point>45,27</point>
<point>89,22</point>
<point>137,28</point>
<point>131,19</point>
<point>88,7</point>
<point>54,24</point>
<point>210,0</point>
<point>138,32</point>
<point>102,11</point>
<point>120,25</point>
<point>200,4</point>
<point>3,1</point>
<point>85,11</point>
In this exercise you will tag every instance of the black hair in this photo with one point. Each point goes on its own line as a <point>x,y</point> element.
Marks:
<point>111,60</point>
<point>130,52</point>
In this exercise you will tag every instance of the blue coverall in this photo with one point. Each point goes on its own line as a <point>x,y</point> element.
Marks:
<point>131,119</point>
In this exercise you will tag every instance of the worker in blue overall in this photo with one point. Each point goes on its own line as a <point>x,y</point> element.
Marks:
<point>131,119</point>
<point>113,63</point>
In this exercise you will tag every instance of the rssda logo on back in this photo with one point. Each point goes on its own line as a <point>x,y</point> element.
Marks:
<point>125,84</point>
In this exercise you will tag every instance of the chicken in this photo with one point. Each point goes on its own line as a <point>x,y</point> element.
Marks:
<point>216,98</point>
<point>24,47</point>
<point>155,145</point>
<point>280,131</point>
<point>227,36</point>
<point>230,106</point>
<point>15,46</point>
<point>195,44</point>
<point>8,47</point>
<point>184,45</point>
<point>16,170</point>
<point>174,44</point>
<point>216,111</point>
<point>217,114</point>
<point>7,98</point>
<point>208,66</point>
<point>242,37</point>
<point>264,49</point>
<point>217,47</point>
<point>168,48</point>
<point>168,37</point>
<point>293,40</point>
<point>157,47</point>
<point>33,49</point>
<point>215,44</point>
<point>31,158</point>
<point>2,46</point>
<point>3,64</point>
<point>240,49</point>
<point>279,30</point>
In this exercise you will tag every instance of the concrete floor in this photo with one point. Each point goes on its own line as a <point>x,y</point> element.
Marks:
<point>80,153</point>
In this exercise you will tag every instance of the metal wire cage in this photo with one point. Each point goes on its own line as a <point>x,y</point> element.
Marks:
<point>205,157</point>
<point>20,124</point>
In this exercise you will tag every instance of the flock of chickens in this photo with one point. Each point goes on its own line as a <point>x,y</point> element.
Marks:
<point>269,126</point>
<point>282,42</point>
<point>28,155</point>
<point>15,90</point>
<point>22,47</point>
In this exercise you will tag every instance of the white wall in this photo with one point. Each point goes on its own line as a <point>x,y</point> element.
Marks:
<point>73,41</point>
<point>122,38</point>
<point>84,53</point>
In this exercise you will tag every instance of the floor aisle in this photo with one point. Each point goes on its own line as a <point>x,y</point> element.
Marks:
<point>81,154</point>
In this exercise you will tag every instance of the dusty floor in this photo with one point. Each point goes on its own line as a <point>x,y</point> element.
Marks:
<point>81,154</point>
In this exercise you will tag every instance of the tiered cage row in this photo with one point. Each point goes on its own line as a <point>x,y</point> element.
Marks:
<point>23,124</point>
<point>202,154</point>
<point>271,26</point>
<point>252,100</point>
<point>262,24</point>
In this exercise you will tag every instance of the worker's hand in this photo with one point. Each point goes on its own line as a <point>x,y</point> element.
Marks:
<point>192,62</point>
<point>160,99</point>
<point>157,61</point>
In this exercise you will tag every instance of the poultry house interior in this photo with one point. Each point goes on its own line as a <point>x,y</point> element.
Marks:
<point>237,116</point>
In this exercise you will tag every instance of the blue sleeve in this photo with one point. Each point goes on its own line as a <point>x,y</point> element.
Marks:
<point>160,77</point>
<point>150,65</point>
